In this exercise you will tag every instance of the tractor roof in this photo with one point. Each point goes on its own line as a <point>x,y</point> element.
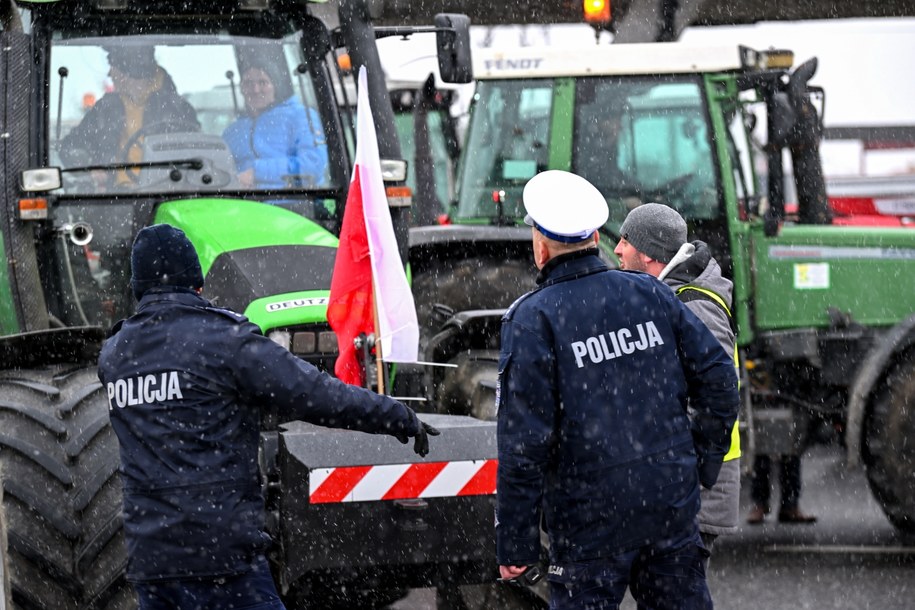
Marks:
<point>622,59</point>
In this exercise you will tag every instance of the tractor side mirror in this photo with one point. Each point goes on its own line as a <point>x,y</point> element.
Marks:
<point>452,41</point>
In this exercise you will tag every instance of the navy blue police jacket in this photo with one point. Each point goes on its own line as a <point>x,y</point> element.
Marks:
<point>596,369</point>
<point>186,382</point>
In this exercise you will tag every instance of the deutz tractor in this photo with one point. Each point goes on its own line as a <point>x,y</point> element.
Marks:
<point>824,312</point>
<point>69,210</point>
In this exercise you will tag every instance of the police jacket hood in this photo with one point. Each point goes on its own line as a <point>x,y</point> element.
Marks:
<point>187,384</point>
<point>596,370</point>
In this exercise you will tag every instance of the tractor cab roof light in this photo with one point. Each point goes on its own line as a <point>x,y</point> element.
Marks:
<point>770,59</point>
<point>40,180</point>
<point>777,59</point>
<point>597,12</point>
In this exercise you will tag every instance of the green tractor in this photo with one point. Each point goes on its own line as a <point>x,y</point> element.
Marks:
<point>825,313</point>
<point>68,216</point>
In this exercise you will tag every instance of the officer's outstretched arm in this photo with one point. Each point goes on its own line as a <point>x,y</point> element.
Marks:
<point>270,374</point>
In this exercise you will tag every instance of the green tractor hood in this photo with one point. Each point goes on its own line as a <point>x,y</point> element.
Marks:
<point>259,259</point>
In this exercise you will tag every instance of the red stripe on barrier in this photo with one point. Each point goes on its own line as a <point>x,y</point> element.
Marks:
<point>414,480</point>
<point>483,482</point>
<point>340,483</point>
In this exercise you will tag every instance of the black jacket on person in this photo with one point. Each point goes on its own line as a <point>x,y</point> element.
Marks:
<point>99,133</point>
<point>186,384</point>
<point>595,372</point>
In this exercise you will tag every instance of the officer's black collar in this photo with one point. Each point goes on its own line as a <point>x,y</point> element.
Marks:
<point>562,259</point>
<point>174,294</point>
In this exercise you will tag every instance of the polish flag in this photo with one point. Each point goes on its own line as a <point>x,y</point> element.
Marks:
<point>367,258</point>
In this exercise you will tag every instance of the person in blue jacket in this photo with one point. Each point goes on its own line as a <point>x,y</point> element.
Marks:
<point>594,440</point>
<point>277,143</point>
<point>186,383</point>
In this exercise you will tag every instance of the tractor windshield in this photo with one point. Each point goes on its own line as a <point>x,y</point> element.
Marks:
<point>635,139</point>
<point>186,112</point>
<point>227,128</point>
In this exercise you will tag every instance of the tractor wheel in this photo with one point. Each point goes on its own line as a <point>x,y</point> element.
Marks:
<point>473,283</point>
<point>470,389</point>
<point>61,491</point>
<point>889,452</point>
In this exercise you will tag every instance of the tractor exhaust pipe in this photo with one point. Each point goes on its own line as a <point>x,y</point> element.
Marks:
<point>80,233</point>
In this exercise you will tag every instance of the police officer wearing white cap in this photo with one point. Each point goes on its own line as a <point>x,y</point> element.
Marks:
<point>595,372</point>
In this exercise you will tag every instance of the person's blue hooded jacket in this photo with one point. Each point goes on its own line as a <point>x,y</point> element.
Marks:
<point>596,370</point>
<point>284,145</point>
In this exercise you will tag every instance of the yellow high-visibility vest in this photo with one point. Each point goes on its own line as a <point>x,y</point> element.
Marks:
<point>734,452</point>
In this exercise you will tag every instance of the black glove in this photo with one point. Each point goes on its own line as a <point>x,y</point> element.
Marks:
<point>421,438</point>
<point>528,578</point>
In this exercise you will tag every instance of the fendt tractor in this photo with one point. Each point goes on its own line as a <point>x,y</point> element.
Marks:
<point>824,312</point>
<point>69,212</point>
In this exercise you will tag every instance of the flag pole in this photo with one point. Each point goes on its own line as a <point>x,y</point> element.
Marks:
<point>378,355</point>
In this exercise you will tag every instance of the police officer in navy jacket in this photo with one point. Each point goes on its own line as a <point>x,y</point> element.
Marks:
<point>597,367</point>
<point>186,382</point>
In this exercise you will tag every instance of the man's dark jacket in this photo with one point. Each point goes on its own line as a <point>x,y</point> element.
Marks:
<point>187,383</point>
<point>596,370</point>
<point>99,133</point>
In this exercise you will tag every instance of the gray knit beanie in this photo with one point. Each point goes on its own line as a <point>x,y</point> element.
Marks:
<point>655,230</point>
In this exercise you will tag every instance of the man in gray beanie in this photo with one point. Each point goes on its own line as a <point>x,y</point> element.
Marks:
<point>655,230</point>
<point>584,412</point>
<point>654,241</point>
<point>187,383</point>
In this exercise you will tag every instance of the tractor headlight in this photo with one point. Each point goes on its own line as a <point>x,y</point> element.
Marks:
<point>306,343</point>
<point>281,337</point>
<point>393,170</point>
<point>40,180</point>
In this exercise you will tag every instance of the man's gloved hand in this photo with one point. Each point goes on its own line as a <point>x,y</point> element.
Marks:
<point>421,438</point>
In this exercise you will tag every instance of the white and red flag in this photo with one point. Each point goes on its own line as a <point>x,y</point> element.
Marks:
<point>368,271</point>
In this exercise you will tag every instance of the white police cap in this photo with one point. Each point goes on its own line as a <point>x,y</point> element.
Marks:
<point>564,206</point>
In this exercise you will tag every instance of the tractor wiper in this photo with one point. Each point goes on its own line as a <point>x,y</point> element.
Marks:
<point>194,163</point>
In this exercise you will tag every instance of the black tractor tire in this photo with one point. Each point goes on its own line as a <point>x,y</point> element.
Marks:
<point>889,452</point>
<point>469,389</point>
<point>462,285</point>
<point>61,491</point>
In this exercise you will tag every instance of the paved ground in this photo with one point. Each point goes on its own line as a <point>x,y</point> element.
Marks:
<point>851,559</point>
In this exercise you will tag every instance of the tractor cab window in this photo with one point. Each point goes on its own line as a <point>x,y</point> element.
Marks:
<point>636,139</point>
<point>643,140</point>
<point>211,119</point>
<point>184,112</point>
<point>508,142</point>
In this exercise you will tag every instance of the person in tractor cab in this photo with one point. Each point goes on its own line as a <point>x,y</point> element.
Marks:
<point>143,102</point>
<point>594,439</point>
<point>600,155</point>
<point>653,240</point>
<point>186,383</point>
<point>277,143</point>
